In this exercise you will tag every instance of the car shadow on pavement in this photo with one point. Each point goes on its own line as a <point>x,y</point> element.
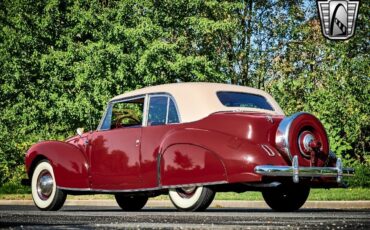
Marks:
<point>210,210</point>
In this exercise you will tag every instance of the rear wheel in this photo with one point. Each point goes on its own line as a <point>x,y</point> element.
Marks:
<point>286,198</point>
<point>45,193</point>
<point>191,198</point>
<point>131,203</point>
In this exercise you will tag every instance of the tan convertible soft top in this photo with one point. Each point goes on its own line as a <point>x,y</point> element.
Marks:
<point>198,100</point>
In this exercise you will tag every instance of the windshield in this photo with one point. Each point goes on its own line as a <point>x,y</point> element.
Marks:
<point>236,99</point>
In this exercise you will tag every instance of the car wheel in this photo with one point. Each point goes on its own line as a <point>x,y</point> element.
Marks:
<point>131,203</point>
<point>191,198</point>
<point>286,198</point>
<point>45,194</point>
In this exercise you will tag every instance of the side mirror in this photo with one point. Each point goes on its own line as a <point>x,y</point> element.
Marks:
<point>80,131</point>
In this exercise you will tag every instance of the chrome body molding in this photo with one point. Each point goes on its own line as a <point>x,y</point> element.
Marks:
<point>296,172</point>
<point>195,184</point>
<point>268,150</point>
<point>107,191</point>
<point>75,189</point>
<point>140,189</point>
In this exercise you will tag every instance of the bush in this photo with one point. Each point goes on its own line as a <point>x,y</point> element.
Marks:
<point>362,175</point>
<point>13,184</point>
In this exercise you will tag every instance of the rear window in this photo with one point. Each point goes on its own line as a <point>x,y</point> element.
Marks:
<point>234,99</point>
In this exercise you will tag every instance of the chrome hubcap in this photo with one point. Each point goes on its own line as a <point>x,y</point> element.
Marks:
<point>45,184</point>
<point>304,143</point>
<point>186,192</point>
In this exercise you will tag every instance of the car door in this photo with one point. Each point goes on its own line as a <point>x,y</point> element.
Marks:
<point>115,147</point>
<point>162,117</point>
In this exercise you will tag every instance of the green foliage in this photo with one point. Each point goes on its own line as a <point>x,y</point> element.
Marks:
<point>331,80</point>
<point>362,174</point>
<point>62,60</point>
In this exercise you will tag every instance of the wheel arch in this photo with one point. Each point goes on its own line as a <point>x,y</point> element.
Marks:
<point>34,163</point>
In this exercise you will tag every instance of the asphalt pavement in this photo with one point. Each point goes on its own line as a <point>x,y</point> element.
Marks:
<point>155,217</point>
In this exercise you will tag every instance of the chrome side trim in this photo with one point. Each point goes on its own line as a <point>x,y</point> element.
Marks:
<point>106,190</point>
<point>140,189</point>
<point>296,172</point>
<point>75,189</point>
<point>195,184</point>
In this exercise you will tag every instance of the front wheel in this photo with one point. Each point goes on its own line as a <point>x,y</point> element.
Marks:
<point>191,198</point>
<point>45,194</point>
<point>286,198</point>
<point>131,203</point>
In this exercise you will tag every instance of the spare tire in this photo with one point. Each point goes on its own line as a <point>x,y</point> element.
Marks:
<point>303,134</point>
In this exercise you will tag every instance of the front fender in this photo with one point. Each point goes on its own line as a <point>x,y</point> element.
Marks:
<point>69,163</point>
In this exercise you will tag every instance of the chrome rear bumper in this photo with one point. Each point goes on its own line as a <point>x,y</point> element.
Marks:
<point>296,172</point>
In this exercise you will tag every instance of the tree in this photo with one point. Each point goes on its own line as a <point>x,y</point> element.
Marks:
<point>62,60</point>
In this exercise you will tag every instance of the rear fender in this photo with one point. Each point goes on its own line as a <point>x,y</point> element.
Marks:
<point>187,159</point>
<point>190,164</point>
<point>69,163</point>
<point>237,156</point>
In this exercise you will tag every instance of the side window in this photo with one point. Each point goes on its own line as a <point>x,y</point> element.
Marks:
<point>157,110</point>
<point>107,118</point>
<point>124,114</point>
<point>162,110</point>
<point>172,113</point>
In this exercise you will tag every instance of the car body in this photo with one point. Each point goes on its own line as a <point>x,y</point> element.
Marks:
<point>189,140</point>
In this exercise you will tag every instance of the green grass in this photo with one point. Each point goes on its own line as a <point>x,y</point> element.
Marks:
<point>315,195</point>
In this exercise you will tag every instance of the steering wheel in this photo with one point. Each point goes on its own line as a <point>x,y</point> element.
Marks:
<point>119,120</point>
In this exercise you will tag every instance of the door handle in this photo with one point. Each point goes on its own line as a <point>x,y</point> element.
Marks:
<point>137,142</point>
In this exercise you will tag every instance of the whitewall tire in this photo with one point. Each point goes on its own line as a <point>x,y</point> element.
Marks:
<point>191,198</point>
<point>45,193</point>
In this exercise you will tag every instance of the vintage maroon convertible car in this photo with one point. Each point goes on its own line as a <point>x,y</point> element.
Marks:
<point>188,140</point>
